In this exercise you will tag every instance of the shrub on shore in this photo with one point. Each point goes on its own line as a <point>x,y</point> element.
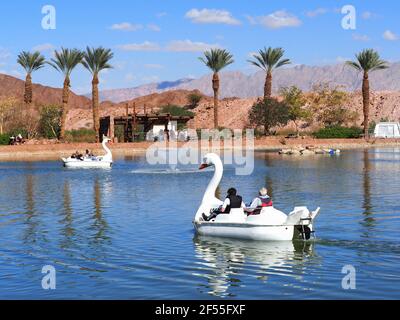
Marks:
<point>4,139</point>
<point>81,135</point>
<point>338,132</point>
<point>50,121</point>
<point>269,113</point>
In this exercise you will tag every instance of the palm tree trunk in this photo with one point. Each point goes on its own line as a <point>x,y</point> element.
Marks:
<point>95,104</point>
<point>28,89</point>
<point>365,94</point>
<point>268,85</point>
<point>215,83</point>
<point>65,98</point>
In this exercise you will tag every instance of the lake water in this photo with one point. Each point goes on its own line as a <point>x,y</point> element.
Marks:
<point>127,233</point>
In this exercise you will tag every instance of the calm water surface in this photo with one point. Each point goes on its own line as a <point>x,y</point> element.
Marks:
<point>126,233</point>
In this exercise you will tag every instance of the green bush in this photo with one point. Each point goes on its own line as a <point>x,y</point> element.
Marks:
<point>194,100</point>
<point>269,113</point>
<point>81,135</point>
<point>4,139</point>
<point>49,123</point>
<point>174,110</point>
<point>338,132</point>
<point>16,131</point>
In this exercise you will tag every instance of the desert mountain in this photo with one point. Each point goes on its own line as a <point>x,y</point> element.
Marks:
<point>119,95</point>
<point>13,87</point>
<point>238,84</point>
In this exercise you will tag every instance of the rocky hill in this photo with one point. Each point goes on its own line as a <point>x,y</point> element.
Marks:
<point>13,87</point>
<point>233,113</point>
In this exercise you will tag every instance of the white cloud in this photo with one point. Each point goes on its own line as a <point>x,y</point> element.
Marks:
<point>14,73</point>
<point>211,16</point>
<point>119,65</point>
<point>43,47</point>
<point>360,37</point>
<point>82,89</point>
<point>126,26</point>
<point>276,20</point>
<point>4,54</point>
<point>161,14</point>
<point>316,12</point>
<point>129,77</point>
<point>151,79</point>
<point>172,46</point>
<point>390,36</point>
<point>189,46</point>
<point>341,59</point>
<point>153,27</point>
<point>145,46</point>
<point>153,66</point>
<point>366,15</point>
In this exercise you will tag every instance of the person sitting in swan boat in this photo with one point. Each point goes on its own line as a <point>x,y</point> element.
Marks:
<point>232,201</point>
<point>263,200</point>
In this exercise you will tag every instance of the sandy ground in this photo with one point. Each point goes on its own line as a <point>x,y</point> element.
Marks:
<point>56,151</point>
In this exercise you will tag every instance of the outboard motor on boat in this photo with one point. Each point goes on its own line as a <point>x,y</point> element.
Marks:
<point>303,220</point>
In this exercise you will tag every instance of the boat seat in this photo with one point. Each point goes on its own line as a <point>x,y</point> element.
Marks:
<point>235,216</point>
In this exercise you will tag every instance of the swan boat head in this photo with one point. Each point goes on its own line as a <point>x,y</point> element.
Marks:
<point>210,201</point>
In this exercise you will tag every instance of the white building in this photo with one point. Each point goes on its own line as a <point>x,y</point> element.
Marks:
<point>387,130</point>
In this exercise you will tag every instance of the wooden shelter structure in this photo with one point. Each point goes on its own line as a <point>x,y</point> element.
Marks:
<point>138,122</point>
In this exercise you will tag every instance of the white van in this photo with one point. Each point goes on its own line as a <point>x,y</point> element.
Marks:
<point>387,130</point>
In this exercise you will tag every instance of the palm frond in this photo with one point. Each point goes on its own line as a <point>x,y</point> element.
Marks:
<point>97,59</point>
<point>269,59</point>
<point>368,60</point>
<point>66,60</point>
<point>31,61</point>
<point>217,59</point>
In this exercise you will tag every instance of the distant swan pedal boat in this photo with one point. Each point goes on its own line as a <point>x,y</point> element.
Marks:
<point>105,161</point>
<point>270,225</point>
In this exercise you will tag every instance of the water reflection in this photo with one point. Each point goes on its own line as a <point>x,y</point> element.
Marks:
<point>31,233</point>
<point>99,225</point>
<point>226,261</point>
<point>67,230</point>
<point>368,221</point>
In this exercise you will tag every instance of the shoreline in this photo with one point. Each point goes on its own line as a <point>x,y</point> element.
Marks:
<point>38,152</point>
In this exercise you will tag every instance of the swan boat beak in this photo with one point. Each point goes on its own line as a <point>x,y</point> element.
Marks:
<point>203,166</point>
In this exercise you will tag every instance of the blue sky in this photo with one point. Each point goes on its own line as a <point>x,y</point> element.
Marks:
<point>158,40</point>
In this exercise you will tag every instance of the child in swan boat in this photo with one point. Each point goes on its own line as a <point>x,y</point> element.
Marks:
<point>232,201</point>
<point>263,200</point>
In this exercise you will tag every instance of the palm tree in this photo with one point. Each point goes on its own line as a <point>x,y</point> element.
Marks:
<point>216,60</point>
<point>30,62</point>
<point>367,61</point>
<point>96,60</point>
<point>268,60</point>
<point>65,61</point>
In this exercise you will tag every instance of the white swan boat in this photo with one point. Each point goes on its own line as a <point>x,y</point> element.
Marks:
<point>105,161</point>
<point>270,225</point>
